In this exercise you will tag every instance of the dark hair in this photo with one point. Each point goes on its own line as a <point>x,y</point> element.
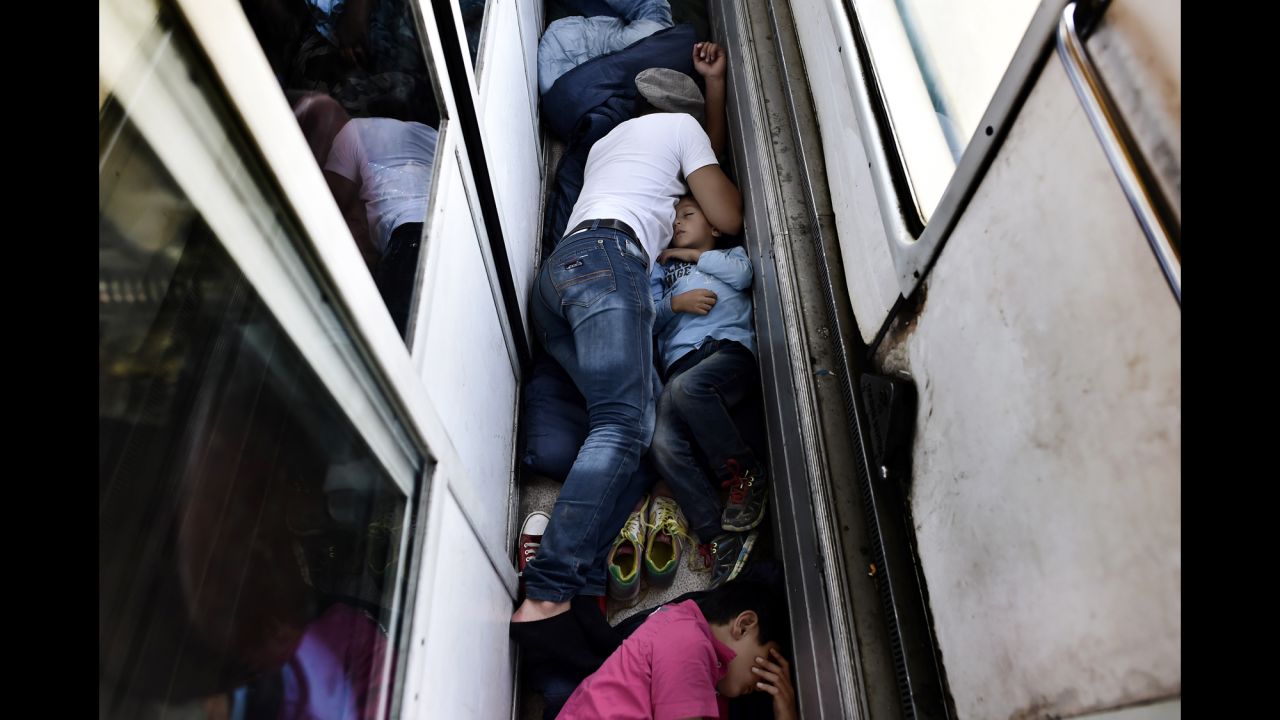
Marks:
<point>722,605</point>
<point>726,240</point>
<point>642,107</point>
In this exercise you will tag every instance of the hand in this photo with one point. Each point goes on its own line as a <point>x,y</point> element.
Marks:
<point>775,679</point>
<point>697,302</point>
<point>685,254</point>
<point>710,60</point>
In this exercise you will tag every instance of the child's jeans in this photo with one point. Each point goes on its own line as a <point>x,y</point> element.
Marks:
<point>693,417</point>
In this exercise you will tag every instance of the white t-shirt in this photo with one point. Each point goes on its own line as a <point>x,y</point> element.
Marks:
<point>392,159</point>
<point>636,174</point>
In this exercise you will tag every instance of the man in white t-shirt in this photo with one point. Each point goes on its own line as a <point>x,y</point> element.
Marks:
<point>592,310</point>
<point>379,171</point>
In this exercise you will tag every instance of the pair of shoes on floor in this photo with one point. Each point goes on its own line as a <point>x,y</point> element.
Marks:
<point>649,545</point>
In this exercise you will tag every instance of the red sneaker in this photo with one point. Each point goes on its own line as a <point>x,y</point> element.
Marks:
<point>530,538</point>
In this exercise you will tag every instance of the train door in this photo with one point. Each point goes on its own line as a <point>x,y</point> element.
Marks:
<point>1004,193</point>
<point>305,476</point>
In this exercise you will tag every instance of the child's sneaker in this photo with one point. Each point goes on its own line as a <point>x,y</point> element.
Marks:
<point>667,531</point>
<point>729,553</point>
<point>748,492</point>
<point>625,557</point>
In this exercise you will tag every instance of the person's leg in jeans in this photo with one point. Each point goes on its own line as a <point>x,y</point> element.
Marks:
<point>592,308</point>
<point>694,411</point>
<point>641,482</point>
<point>676,460</point>
<point>397,270</point>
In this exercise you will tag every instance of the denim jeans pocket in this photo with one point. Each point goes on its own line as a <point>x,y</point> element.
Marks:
<point>583,276</point>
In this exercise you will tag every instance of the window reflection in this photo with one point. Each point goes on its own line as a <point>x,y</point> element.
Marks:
<point>248,539</point>
<point>355,75</point>
<point>472,23</point>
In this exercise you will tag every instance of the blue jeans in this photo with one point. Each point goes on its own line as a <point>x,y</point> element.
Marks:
<point>693,416</point>
<point>593,312</point>
<point>396,271</point>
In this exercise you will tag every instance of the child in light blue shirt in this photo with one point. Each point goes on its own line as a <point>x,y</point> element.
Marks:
<point>706,351</point>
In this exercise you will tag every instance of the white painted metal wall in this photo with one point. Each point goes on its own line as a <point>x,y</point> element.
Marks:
<point>1047,465</point>
<point>462,661</point>
<point>465,366</point>
<point>509,118</point>
<point>1047,357</point>
<point>867,262</point>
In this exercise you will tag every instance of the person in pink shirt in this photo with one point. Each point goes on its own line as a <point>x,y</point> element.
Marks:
<point>686,659</point>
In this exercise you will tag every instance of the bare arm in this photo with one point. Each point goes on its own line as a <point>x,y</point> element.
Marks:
<point>711,61</point>
<point>719,199</point>
<point>347,195</point>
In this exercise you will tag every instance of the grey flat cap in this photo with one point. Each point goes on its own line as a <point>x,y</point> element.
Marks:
<point>671,91</point>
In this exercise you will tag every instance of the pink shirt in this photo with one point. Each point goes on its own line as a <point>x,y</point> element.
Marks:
<point>666,670</point>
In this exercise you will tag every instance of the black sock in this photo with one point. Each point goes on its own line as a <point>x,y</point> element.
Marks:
<point>559,641</point>
<point>600,634</point>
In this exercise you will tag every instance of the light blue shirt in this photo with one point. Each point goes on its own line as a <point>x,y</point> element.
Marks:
<point>571,41</point>
<point>727,273</point>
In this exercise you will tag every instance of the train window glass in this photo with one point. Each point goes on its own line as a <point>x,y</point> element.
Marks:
<point>473,12</point>
<point>355,74</point>
<point>251,542</point>
<point>937,64</point>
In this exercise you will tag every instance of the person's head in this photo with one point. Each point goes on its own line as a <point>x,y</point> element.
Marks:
<point>320,117</point>
<point>642,107</point>
<point>667,90</point>
<point>750,618</point>
<point>691,228</point>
